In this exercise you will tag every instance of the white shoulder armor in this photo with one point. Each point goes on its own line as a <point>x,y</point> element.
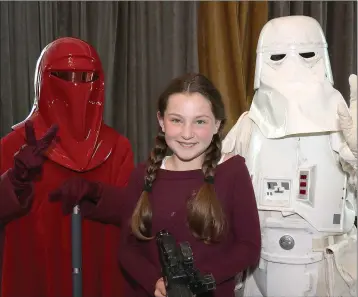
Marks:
<point>238,139</point>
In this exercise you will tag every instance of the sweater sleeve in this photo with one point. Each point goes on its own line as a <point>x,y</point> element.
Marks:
<point>115,200</point>
<point>245,250</point>
<point>131,257</point>
<point>135,263</point>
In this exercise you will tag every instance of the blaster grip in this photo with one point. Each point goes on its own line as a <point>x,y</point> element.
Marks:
<point>172,269</point>
<point>181,278</point>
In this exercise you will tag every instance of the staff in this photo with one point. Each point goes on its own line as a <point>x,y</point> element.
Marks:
<point>76,252</point>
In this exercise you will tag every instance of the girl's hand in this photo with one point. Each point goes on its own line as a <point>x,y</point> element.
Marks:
<point>160,288</point>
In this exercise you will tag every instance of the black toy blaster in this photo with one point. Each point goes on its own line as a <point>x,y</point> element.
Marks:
<point>181,278</point>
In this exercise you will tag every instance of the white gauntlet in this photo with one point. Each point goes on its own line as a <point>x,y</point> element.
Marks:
<point>348,119</point>
<point>348,123</point>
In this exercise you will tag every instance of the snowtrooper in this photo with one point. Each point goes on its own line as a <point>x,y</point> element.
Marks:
<point>299,142</point>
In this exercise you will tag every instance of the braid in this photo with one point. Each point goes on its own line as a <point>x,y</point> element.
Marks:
<point>205,215</point>
<point>212,156</point>
<point>155,159</point>
<point>142,215</point>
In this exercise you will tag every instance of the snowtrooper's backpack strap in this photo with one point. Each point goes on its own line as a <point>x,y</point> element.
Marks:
<point>237,140</point>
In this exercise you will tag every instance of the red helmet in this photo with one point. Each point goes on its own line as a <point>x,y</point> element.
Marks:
<point>69,92</point>
<point>69,87</point>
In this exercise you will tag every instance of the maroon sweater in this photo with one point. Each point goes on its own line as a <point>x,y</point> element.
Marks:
<point>171,189</point>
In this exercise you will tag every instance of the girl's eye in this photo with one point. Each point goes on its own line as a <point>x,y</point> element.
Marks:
<point>175,120</point>
<point>201,122</point>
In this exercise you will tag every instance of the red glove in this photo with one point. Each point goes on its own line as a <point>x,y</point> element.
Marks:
<point>29,159</point>
<point>77,191</point>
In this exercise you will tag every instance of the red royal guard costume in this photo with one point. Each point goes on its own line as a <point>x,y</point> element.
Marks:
<point>35,236</point>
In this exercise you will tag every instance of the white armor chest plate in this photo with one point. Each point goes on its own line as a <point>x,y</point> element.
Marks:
<point>300,175</point>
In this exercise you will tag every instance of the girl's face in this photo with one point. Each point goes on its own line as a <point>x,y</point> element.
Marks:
<point>189,125</point>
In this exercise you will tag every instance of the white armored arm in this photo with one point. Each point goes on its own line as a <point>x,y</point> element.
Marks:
<point>348,123</point>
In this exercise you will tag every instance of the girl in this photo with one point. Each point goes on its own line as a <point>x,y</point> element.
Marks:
<point>209,205</point>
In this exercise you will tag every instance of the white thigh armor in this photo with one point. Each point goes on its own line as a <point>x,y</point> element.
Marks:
<point>306,215</point>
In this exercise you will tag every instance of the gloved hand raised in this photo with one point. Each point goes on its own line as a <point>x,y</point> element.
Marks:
<point>74,191</point>
<point>348,119</point>
<point>28,161</point>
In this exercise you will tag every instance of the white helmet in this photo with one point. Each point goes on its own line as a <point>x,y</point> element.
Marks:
<point>301,36</point>
<point>294,91</point>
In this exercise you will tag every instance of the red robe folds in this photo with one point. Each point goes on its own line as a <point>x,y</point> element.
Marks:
<point>35,239</point>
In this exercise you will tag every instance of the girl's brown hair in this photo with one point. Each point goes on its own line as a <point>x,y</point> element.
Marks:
<point>205,215</point>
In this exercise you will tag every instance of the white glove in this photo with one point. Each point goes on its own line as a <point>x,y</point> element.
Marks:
<point>348,119</point>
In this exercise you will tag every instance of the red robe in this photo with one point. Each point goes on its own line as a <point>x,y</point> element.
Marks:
<point>35,240</point>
